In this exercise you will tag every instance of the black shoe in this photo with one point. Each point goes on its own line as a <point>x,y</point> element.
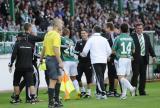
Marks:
<point>51,106</point>
<point>143,94</point>
<point>116,94</point>
<point>87,96</point>
<point>60,103</point>
<point>110,94</point>
<point>33,101</point>
<point>57,105</point>
<point>15,101</point>
<point>83,94</point>
<point>28,101</point>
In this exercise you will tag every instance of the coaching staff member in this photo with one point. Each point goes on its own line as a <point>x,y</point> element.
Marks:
<point>32,39</point>
<point>84,65</point>
<point>22,53</point>
<point>143,49</point>
<point>51,51</point>
<point>100,50</point>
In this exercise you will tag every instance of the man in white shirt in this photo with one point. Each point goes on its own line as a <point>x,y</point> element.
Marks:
<point>100,50</point>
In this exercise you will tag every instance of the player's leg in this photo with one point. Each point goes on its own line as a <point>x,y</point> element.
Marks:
<point>73,74</point>
<point>120,67</point>
<point>135,70</point>
<point>16,80</point>
<point>99,70</point>
<point>57,90</point>
<point>88,74</point>
<point>36,80</point>
<point>28,75</point>
<point>111,78</point>
<point>21,86</point>
<point>80,69</point>
<point>106,79</point>
<point>52,68</point>
<point>124,69</point>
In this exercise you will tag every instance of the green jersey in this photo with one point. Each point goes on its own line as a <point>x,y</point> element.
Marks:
<point>67,50</point>
<point>123,46</point>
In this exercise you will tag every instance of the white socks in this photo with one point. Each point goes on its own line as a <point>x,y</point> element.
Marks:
<point>83,89</point>
<point>125,85</point>
<point>88,91</point>
<point>76,86</point>
<point>128,85</point>
<point>124,89</point>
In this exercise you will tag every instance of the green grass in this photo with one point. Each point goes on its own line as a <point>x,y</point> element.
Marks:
<point>150,101</point>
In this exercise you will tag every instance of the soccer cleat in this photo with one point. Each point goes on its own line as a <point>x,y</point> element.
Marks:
<point>83,94</point>
<point>98,96</point>
<point>104,97</point>
<point>58,105</point>
<point>110,94</point>
<point>123,97</point>
<point>87,96</point>
<point>116,94</point>
<point>133,91</point>
<point>33,101</point>
<point>51,106</point>
<point>15,101</point>
<point>28,101</point>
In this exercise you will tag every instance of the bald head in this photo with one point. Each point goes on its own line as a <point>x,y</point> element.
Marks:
<point>58,24</point>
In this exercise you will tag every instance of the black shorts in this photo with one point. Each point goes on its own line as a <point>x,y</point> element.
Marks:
<point>27,74</point>
<point>52,68</point>
<point>87,69</point>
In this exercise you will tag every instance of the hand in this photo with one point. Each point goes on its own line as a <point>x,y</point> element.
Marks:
<point>10,67</point>
<point>81,55</point>
<point>154,60</point>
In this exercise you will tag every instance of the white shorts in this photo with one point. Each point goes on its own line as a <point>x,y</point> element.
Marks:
<point>123,66</point>
<point>70,68</point>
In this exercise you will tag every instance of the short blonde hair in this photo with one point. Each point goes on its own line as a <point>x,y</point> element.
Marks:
<point>57,23</point>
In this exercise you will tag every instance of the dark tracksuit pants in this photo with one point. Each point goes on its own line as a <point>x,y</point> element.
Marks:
<point>99,70</point>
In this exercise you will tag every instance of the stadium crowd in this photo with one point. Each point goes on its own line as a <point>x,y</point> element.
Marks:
<point>87,13</point>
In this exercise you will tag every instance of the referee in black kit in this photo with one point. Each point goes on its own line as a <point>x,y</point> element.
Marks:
<point>84,65</point>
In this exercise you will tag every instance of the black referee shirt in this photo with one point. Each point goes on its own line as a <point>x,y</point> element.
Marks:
<point>79,48</point>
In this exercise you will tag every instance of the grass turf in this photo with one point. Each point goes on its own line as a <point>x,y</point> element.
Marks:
<point>150,101</point>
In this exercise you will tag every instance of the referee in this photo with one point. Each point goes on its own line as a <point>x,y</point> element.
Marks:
<point>51,51</point>
<point>84,65</point>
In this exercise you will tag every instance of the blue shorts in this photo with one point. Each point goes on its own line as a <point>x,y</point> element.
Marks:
<point>52,67</point>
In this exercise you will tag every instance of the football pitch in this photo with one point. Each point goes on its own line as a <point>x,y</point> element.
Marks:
<point>150,101</point>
